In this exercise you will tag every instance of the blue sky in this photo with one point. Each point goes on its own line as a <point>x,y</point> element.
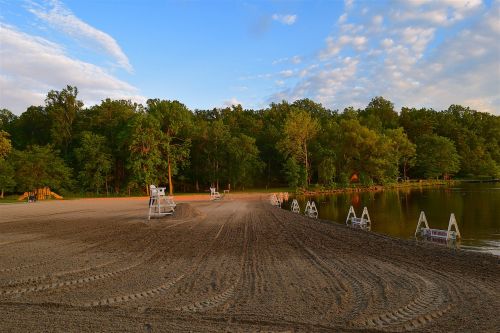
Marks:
<point>206,54</point>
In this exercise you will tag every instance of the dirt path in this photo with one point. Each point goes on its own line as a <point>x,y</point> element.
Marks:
<point>237,265</point>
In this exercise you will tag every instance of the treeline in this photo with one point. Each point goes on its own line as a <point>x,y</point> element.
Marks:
<point>121,147</point>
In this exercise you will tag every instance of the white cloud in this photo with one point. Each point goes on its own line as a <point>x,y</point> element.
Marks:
<point>348,4</point>
<point>333,47</point>
<point>31,66</point>
<point>61,18</point>
<point>233,101</point>
<point>342,18</point>
<point>404,61</point>
<point>287,73</point>
<point>296,60</point>
<point>443,13</point>
<point>287,19</point>
<point>387,42</point>
<point>378,20</point>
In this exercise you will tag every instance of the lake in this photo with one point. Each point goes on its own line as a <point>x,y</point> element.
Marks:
<point>395,212</point>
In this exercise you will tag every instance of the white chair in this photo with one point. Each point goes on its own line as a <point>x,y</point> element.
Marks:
<point>159,203</point>
<point>214,195</point>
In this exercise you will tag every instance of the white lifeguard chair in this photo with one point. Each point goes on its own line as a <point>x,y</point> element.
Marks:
<point>445,235</point>
<point>295,206</point>
<point>363,222</point>
<point>214,195</point>
<point>159,203</point>
<point>311,210</point>
<point>274,200</point>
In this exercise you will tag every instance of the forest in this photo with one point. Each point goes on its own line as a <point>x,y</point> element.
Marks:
<point>119,147</point>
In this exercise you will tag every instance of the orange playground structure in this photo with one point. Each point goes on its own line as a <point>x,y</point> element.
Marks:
<point>39,194</point>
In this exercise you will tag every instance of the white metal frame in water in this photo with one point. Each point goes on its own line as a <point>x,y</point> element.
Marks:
<point>427,232</point>
<point>363,222</point>
<point>311,210</point>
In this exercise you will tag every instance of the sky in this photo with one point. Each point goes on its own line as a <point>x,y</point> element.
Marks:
<point>207,54</point>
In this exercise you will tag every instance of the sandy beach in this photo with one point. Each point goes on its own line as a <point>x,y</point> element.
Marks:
<point>238,264</point>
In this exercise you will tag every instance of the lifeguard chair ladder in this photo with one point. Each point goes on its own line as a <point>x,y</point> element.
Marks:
<point>363,222</point>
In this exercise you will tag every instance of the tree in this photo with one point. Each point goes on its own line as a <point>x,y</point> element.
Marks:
<point>380,114</point>
<point>146,144</point>
<point>63,108</point>
<point>437,156</point>
<point>7,118</point>
<point>31,128</point>
<point>7,174</point>
<point>6,170</point>
<point>293,173</point>
<point>111,119</point>
<point>299,129</point>
<point>363,151</point>
<point>5,144</point>
<point>405,150</point>
<point>243,160</point>
<point>95,160</point>
<point>40,166</point>
<point>176,123</point>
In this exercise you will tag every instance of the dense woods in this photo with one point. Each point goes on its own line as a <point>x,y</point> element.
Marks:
<point>120,147</point>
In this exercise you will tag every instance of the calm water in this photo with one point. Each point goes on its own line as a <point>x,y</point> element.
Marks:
<point>476,207</point>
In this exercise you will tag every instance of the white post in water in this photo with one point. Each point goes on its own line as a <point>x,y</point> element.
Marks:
<point>453,223</point>
<point>421,219</point>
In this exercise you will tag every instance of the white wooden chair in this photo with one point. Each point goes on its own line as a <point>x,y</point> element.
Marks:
<point>214,195</point>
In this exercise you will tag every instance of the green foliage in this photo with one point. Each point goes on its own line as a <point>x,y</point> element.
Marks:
<point>299,129</point>
<point>437,156</point>
<point>292,173</point>
<point>40,166</point>
<point>125,146</point>
<point>95,161</point>
<point>326,171</point>
<point>31,128</point>
<point>5,144</point>
<point>176,123</point>
<point>146,144</point>
<point>62,108</point>
<point>7,118</point>
<point>7,174</point>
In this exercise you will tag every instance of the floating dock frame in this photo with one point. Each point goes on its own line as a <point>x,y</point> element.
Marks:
<point>311,210</point>
<point>363,222</point>
<point>295,206</point>
<point>427,232</point>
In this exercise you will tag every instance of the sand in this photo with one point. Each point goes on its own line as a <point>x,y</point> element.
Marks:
<point>238,264</point>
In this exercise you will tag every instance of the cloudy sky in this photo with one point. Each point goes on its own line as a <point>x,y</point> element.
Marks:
<point>416,53</point>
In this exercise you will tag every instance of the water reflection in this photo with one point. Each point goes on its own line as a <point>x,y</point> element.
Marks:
<point>396,212</point>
